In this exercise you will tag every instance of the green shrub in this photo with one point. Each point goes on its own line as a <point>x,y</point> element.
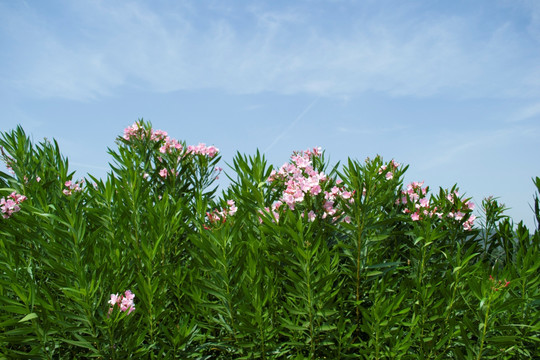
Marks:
<point>305,261</point>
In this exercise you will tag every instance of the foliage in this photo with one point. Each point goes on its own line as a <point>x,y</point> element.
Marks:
<point>305,261</point>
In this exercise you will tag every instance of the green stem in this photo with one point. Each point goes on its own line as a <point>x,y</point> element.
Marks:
<point>358,266</point>
<point>484,331</point>
<point>111,338</point>
<point>312,342</point>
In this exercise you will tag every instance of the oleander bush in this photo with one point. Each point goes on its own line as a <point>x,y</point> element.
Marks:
<point>304,261</point>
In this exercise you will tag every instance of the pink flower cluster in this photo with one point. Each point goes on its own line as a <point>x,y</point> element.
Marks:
<point>301,180</point>
<point>124,302</point>
<point>168,144</point>
<point>202,149</point>
<point>11,204</point>
<point>70,187</point>
<point>331,197</point>
<point>219,216</point>
<point>419,206</point>
<point>461,211</point>
<point>389,169</point>
<point>134,131</point>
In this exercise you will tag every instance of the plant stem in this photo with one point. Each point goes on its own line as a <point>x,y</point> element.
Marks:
<point>484,330</point>
<point>358,266</point>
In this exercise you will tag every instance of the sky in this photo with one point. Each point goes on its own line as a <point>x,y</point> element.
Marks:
<point>451,88</point>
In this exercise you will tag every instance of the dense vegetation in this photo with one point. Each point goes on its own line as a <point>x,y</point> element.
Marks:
<point>305,261</point>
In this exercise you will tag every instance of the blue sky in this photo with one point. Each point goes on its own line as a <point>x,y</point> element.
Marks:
<point>451,88</point>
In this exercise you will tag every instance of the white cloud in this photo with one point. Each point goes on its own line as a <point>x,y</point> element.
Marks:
<point>528,112</point>
<point>373,131</point>
<point>460,147</point>
<point>285,50</point>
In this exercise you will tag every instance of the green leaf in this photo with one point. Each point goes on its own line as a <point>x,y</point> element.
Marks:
<point>28,317</point>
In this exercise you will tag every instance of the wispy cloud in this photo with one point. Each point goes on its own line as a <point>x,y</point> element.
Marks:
<point>455,147</point>
<point>372,131</point>
<point>90,166</point>
<point>526,113</point>
<point>291,125</point>
<point>107,46</point>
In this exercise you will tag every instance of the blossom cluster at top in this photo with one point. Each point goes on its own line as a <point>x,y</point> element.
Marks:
<point>219,216</point>
<point>124,302</point>
<point>134,131</point>
<point>419,206</point>
<point>299,178</point>
<point>10,205</point>
<point>416,195</point>
<point>461,211</point>
<point>302,180</point>
<point>167,144</point>
<point>389,169</point>
<point>202,149</point>
<point>70,187</point>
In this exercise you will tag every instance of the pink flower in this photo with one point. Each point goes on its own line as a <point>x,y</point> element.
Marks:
<point>133,131</point>
<point>129,295</point>
<point>72,187</point>
<point>301,161</point>
<point>315,190</point>
<point>211,151</point>
<point>10,205</point>
<point>311,216</point>
<point>124,302</point>
<point>163,173</point>
<point>202,149</point>
<point>389,175</point>
<point>329,208</point>
<point>115,299</point>
<point>415,216</point>
<point>424,202</point>
<point>158,135</point>
<point>38,179</point>
<point>232,207</point>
